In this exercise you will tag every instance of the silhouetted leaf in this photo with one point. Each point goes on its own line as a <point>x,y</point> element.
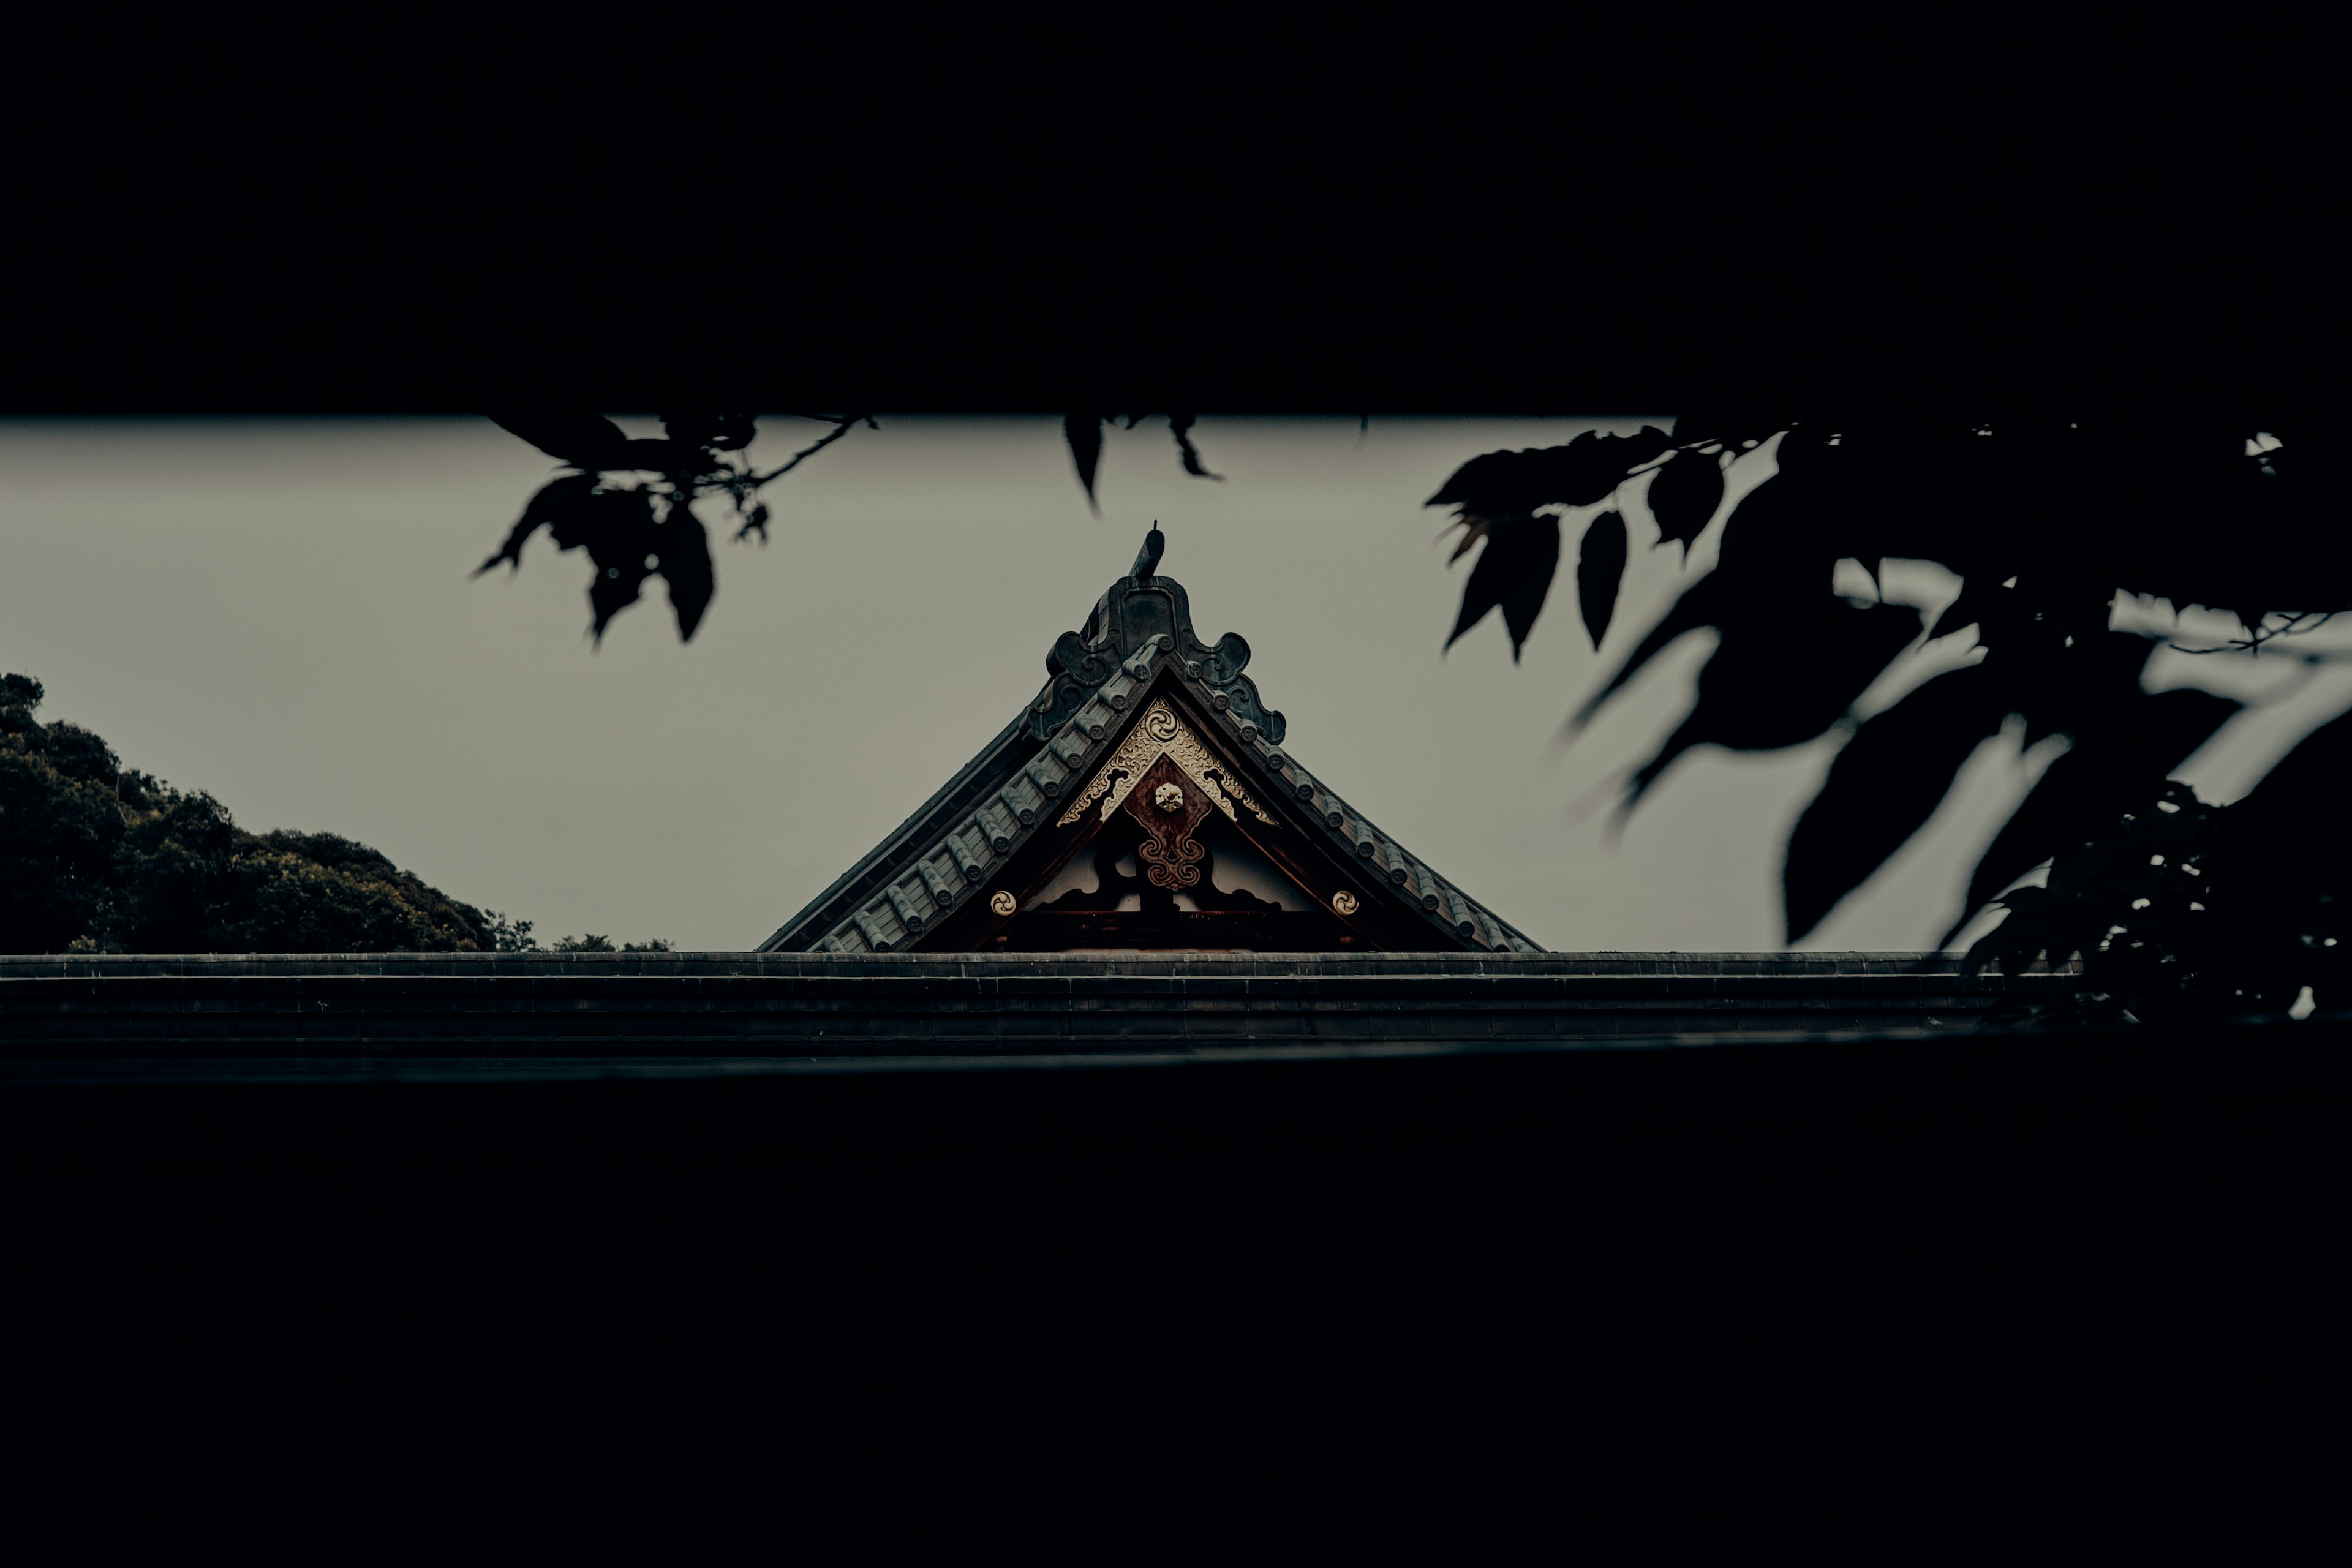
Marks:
<point>1884,784</point>
<point>1821,506</point>
<point>1474,528</point>
<point>1181,424</point>
<point>713,432</point>
<point>616,528</point>
<point>2167,934</point>
<point>1083,433</point>
<point>1783,674</point>
<point>2027,932</point>
<point>2288,867</point>
<point>590,442</point>
<point>2307,787</point>
<point>1698,606</point>
<point>1599,567</point>
<point>685,557</point>
<point>1683,496</point>
<point>584,440</point>
<point>2122,755</point>
<point>555,500</point>
<point>1766,559</point>
<point>1502,484</point>
<point>1736,429</point>
<point>1515,571</point>
<point>1974,605</point>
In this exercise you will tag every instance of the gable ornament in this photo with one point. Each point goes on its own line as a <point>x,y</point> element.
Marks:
<point>1159,733</point>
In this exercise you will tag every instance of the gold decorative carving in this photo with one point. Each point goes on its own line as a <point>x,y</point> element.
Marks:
<point>1004,903</point>
<point>1172,856</point>
<point>1159,733</point>
<point>1344,901</point>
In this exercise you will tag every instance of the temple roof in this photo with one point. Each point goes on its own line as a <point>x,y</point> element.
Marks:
<point>1080,742</point>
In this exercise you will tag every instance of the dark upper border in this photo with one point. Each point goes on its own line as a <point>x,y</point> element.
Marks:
<point>1139,632</point>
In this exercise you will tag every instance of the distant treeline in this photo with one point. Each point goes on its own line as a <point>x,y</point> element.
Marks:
<point>98,857</point>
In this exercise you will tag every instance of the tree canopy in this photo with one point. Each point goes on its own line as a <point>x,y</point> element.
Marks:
<point>98,857</point>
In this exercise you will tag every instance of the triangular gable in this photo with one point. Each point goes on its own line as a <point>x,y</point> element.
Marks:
<point>1166,846</point>
<point>1157,733</point>
<point>1143,802</point>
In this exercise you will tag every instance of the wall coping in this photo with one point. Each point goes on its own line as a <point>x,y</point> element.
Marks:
<point>913,966</point>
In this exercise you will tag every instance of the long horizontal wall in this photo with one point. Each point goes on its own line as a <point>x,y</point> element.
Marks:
<point>58,1011</point>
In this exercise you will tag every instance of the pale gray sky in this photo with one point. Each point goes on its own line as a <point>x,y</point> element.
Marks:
<point>279,612</point>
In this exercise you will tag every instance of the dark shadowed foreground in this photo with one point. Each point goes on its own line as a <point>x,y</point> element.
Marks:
<point>1363,1281</point>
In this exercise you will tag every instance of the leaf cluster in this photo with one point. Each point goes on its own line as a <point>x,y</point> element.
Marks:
<point>2181,912</point>
<point>1083,433</point>
<point>2043,523</point>
<point>592,943</point>
<point>629,503</point>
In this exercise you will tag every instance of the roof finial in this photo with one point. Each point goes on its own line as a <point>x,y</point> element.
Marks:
<point>1155,545</point>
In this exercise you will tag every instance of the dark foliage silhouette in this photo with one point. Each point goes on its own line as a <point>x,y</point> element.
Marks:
<point>1514,572</point>
<point>1497,497</point>
<point>629,503</point>
<point>98,857</point>
<point>1599,568</point>
<point>1684,495</point>
<point>1083,434</point>
<point>2044,523</point>
<point>592,943</point>
<point>2189,913</point>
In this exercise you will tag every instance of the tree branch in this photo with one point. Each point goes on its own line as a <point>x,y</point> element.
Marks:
<point>841,426</point>
<point>2293,627</point>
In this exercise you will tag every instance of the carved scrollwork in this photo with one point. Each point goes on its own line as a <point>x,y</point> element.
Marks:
<point>1086,666</point>
<point>1171,854</point>
<point>1073,670</point>
<point>1156,735</point>
<point>1242,701</point>
<point>1126,618</point>
<point>1173,866</point>
<point>1226,661</point>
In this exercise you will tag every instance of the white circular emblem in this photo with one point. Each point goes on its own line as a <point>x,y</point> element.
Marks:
<point>1167,797</point>
<point>1004,903</point>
